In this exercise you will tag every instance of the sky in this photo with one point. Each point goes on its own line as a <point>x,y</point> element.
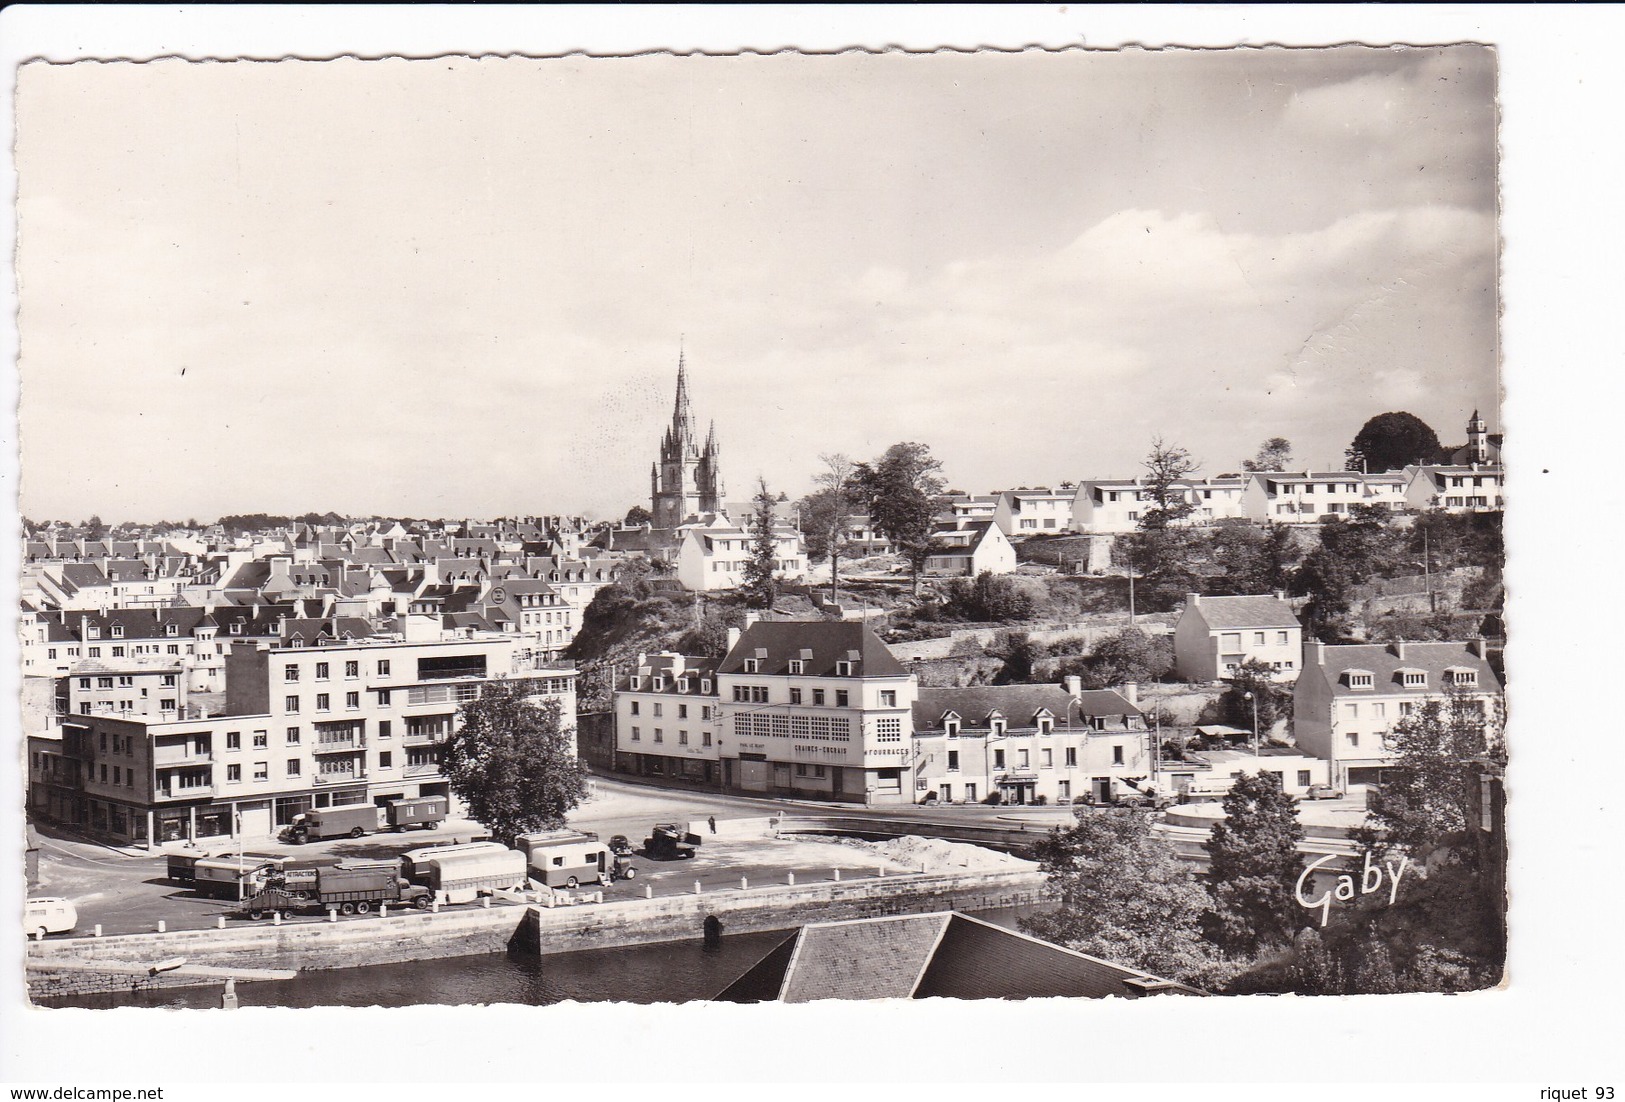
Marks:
<point>459,287</point>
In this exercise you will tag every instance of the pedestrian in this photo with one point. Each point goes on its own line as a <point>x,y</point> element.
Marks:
<point>713,821</point>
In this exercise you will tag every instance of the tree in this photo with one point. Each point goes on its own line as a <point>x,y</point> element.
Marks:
<point>1124,896</point>
<point>512,763</point>
<point>1439,752</point>
<point>989,599</point>
<point>94,528</point>
<point>1121,657</point>
<point>1254,867</point>
<point>1020,653</point>
<point>1273,701</point>
<point>760,587</point>
<point>900,488</point>
<point>825,513</point>
<point>1253,558</point>
<point>1351,552</point>
<point>1167,468</point>
<point>1390,441</point>
<point>638,516</point>
<point>1273,455</point>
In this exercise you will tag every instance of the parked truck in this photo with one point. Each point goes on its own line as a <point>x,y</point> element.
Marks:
<point>461,874</point>
<point>359,819</point>
<point>570,858</point>
<point>350,887</point>
<point>669,840</point>
<point>295,874</point>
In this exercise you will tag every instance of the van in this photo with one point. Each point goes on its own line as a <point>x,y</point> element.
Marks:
<point>49,915</point>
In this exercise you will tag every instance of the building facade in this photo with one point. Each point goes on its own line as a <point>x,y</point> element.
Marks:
<point>1215,636</point>
<point>667,720</point>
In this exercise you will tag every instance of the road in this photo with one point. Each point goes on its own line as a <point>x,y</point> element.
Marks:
<point>132,894</point>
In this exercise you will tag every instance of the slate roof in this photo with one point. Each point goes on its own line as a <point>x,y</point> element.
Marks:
<point>694,671</point>
<point>1018,704</point>
<point>1384,662</point>
<point>1244,612</point>
<point>827,641</point>
<point>945,955</point>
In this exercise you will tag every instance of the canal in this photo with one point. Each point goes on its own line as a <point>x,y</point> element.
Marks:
<point>666,973</point>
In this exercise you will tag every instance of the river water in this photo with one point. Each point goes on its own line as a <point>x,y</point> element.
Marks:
<point>671,972</point>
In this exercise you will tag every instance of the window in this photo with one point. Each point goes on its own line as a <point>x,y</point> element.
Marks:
<point>1045,725</point>
<point>795,696</point>
<point>352,669</point>
<point>321,671</point>
<point>705,684</point>
<point>705,738</point>
<point>953,761</point>
<point>262,739</point>
<point>998,759</point>
<point>751,666</point>
<point>352,700</point>
<point>293,767</point>
<point>1072,756</point>
<point>324,702</point>
<point>682,738</point>
<point>1353,738</point>
<point>290,704</point>
<point>1117,755</point>
<point>1303,778</point>
<point>659,710</point>
<point>118,629</point>
<point>118,775</point>
<point>798,666</point>
<point>386,759</point>
<point>705,711</point>
<point>94,652</point>
<point>1379,709</point>
<point>234,740</point>
<point>383,667</point>
<point>293,736</point>
<point>818,696</point>
<point>383,728</point>
<point>1258,639</point>
<point>290,672</point>
<point>1280,638</point>
<point>888,698</point>
<point>660,685</point>
<point>1022,761</point>
<point>1413,678</point>
<point>1464,677</point>
<point>996,726</point>
<point>1352,711</point>
<point>1063,790</point>
<point>660,736</point>
<point>842,698</point>
<point>383,697</point>
<point>234,773</point>
<point>637,735</point>
<point>1047,758</point>
<point>104,682</point>
<point>843,669</point>
<point>889,729</point>
<point>1360,680</point>
<point>262,771</point>
<point>682,711</point>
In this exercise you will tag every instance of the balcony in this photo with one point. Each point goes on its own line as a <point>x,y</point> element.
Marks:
<point>425,737</point>
<point>353,745</point>
<point>165,758</point>
<point>426,769</point>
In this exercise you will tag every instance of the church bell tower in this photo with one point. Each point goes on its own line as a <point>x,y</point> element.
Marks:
<point>685,480</point>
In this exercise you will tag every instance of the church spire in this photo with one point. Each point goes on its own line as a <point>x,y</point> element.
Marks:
<point>682,417</point>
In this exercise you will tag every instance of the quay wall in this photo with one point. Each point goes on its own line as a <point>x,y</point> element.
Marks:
<point>467,931</point>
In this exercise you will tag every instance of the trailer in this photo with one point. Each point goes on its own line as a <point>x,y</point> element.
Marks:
<point>424,811</point>
<point>348,887</point>
<point>182,867</point>
<point>231,876</point>
<point>570,858</point>
<point>456,874</point>
<point>414,863</point>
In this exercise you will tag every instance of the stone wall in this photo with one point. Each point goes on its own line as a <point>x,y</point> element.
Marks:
<point>469,931</point>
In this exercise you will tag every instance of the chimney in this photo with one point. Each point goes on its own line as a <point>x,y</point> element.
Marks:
<point>1399,649</point>
<point>1314,652</point>
<point>1074,686</point>
<point>1280,594</point>
<point>1131,692</point>
<point>733,638</point>
<point>1192,600</point>
<point>1479,647</point>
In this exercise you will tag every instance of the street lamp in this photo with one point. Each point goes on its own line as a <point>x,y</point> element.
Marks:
<point>1251,699</point>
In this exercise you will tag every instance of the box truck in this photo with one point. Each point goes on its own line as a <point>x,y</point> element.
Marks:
<point>357,819</point>
<point>570,858</point>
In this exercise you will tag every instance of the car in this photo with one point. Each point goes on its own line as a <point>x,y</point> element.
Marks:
<point>620,846</point>
<point>1323,792</point>
<point>49,915</point>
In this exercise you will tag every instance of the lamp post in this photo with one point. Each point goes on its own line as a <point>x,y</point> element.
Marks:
<point>1253,700</point>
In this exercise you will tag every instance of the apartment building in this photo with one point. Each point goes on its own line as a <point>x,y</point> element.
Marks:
<point>1471,488</point>
<point>1215,636</point>
<point>1309,497</point>
<point>1348,697</point>
<point>1031,512</point>
<point>311,720</point>
<point>667,720</point>
<point>713,554</point>
<point>1024,744</point>
<point>1116,505</point>
<point>816,709</point>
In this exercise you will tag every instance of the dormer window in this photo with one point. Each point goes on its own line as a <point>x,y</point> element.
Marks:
<point>1046,724</point>
<point>171,629</point>
<point>996,724</point>
<point>660,684</point>
<point>1358,679</point>
<point>1413,679</point>
<point>637,683</point>
<point>705,685</point>
<point>843,669</point>
<point>1460,676</point>
<point>798,666</point>
<point>94,633</point>
<point>951,726</point>
<point>753,665</point>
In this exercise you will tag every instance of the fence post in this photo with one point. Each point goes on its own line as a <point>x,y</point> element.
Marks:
<point>332,914</point>
<point>648,891</point>
<point>744,883</point>
<point>99,929</point>
<point>697,888</point>
<point>160,925</point>
<point>790,878</point>
<point>383,910</point>
<point>220,922</point>
<point>276,918</point>
<point>837,875</point>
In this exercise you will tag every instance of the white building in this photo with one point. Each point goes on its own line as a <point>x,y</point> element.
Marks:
<point>970,550</point>
<point>1032,512</point>
<point>1308,497</point>
<point>1216,635</point>
<point>713,554</point>
<point>1456,489</point>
